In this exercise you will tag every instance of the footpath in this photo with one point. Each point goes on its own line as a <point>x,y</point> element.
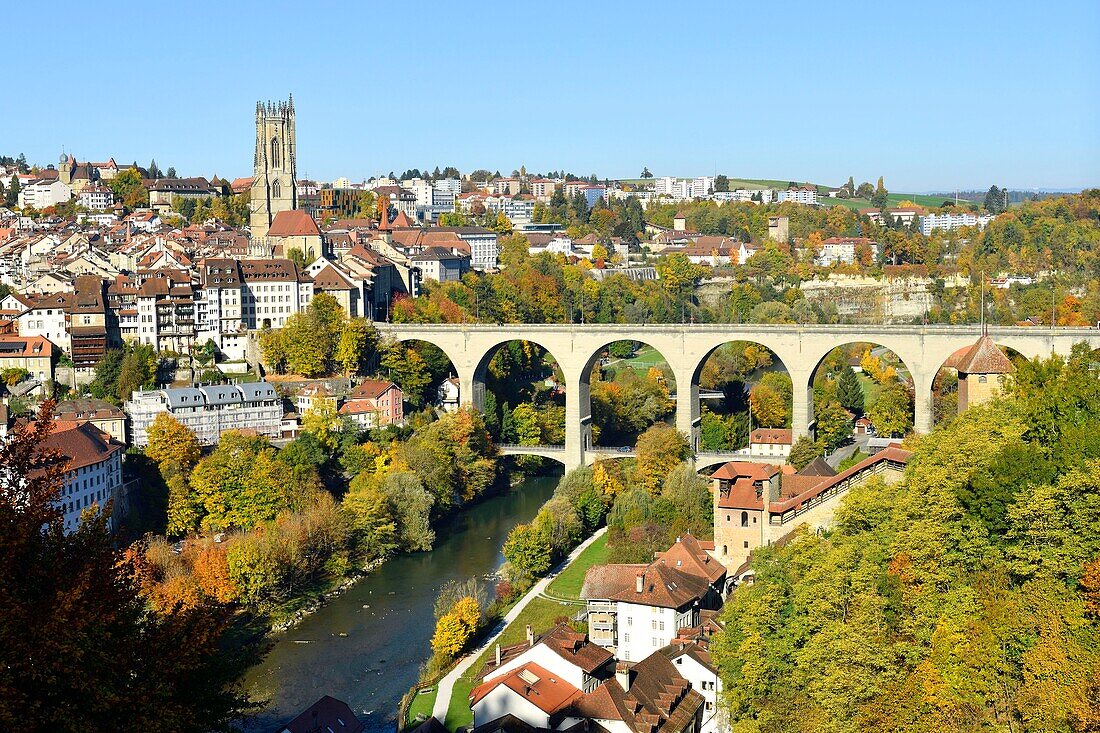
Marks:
<point>446,685</point>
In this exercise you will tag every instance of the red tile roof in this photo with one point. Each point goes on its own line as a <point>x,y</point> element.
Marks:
<point>771,436</point>
<point>82,443</point>
<point>536,685</point>
<point>984,357</point>
<point>294,223</point>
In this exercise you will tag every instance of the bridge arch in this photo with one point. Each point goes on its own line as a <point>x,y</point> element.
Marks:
<point>908,372</point>
<point>764,358</point>
<point>601,357</point>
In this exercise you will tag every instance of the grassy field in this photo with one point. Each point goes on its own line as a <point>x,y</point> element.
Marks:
<point>892,199</point>
<point>644,358</point>
<point>421,705</point>
<point>870,388</point>
<point>568,583</point>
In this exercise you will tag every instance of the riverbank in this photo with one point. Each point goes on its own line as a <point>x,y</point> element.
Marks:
<point>555,595</point>
<point>367,645</point>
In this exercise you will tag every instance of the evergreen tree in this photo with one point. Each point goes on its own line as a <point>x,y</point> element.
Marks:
<point>492,415</point>
<point>21,163</point>
<point>878,198</point>
<point>12,197</point>
<point>507,425</point>
<point>646,173</point>
<point>848,391</point>
<point>994,200</point>
<point>171,172</point>
<point>154,169</point>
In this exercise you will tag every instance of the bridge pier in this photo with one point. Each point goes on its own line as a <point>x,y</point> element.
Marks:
<point>687,404</point>
<point>923,416</point>
<point>578,415</point>
<point>802,407</point>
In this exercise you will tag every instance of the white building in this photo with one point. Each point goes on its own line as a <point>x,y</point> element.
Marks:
<point>208,411</point>
<point>639,609</point>
<point>94,470</point>
<point>773,442</point>
<point>96,198</point>
<point>702,187</point>
<point>43,193</point>
<point>800,195</point>
<point>948,222</point>
<point>844,250</point>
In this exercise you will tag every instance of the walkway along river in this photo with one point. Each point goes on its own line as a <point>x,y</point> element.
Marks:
<point>387,619</point>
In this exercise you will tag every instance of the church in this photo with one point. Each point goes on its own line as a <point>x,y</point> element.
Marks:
<point>276,224</point>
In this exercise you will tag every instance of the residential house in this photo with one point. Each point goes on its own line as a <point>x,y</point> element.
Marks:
<point>100,413</point>
<point>948,221</point>
<point>35,354</point>
<point>375,403</point>
<point>638,609</point>
<point>846,251</point>
<point>327,715</point>
<point>805,194</point>
<point>440,265</point>
<point>771,442</point>
<point>93,468</point>
<point>448,398</point>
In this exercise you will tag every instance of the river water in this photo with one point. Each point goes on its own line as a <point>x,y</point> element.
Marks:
<point>388,621</point>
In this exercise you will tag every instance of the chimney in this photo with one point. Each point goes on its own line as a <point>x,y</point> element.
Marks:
<point>498,655</point>
<point>530,636</point>
<point>623,675</point>
<point>639,582</point>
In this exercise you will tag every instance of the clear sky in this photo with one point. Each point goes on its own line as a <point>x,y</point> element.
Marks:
<point>932,95</point>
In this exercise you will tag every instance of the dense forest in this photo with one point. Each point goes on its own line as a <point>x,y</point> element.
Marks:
<point>964,598</point>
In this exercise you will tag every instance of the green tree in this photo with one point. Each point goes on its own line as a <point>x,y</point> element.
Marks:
<point>358,340</point>
<point>659,449</point>
<point>411,505</point>
<point>833,425</point>
<point>169,440</point>
<point>803,451</point>
<point>892,413</point>
<point>407,369</point>
<point>848,391</point>
<point>879,197</point>
<point>529,551</point>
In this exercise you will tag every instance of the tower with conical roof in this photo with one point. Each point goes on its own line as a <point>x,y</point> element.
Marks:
<point>981,368</point>
<point>274,185</point>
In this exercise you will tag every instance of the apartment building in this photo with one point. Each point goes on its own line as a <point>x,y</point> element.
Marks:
<point>208,411</point>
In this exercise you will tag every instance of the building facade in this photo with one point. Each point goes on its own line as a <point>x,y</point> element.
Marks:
<point>208,411</point>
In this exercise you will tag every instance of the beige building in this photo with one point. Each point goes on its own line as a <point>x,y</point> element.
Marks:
<point>275,165</point>
<point>100,413</point>
<point>778,229</point>
<point>33,353</point>
<point>981,369</point>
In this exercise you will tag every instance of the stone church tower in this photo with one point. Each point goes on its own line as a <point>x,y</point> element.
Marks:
<point>274,185</point>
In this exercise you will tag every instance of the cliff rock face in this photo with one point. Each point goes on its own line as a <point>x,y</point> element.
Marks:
<point>867,299</point>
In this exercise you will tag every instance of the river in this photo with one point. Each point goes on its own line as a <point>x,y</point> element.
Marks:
<point>388,620</point>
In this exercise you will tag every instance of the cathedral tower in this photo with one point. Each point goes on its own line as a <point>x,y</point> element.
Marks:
<point>274,185</point>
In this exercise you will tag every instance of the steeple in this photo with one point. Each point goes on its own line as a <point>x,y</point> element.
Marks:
<point>274,185</point>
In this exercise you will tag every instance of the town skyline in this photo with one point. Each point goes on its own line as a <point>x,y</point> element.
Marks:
<point>942,116</point>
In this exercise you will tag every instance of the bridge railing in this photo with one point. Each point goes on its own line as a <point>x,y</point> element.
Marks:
<point>518,447</point>
<point>610,449</point>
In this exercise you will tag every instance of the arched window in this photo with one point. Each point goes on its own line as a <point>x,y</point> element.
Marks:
<point>275,152</point>
<point>725,549</point>
<point>276,189</point>
<point>744,519</point>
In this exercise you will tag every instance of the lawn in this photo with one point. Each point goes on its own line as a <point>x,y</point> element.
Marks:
<point>870,388</point>
<point>644,358</point>
<point>421,705</point>
<point>892,199</point>
<point>568,583</point>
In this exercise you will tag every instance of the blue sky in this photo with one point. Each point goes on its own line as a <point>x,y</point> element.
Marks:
<point>930,95</point>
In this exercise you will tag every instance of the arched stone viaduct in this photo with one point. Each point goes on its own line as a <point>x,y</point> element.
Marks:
<point>576,348</point>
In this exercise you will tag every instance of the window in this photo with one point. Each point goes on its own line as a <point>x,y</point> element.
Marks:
<point>275,151</point>
<point>276,189</point>
<point>744,519</point>
<point>746,544</point>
